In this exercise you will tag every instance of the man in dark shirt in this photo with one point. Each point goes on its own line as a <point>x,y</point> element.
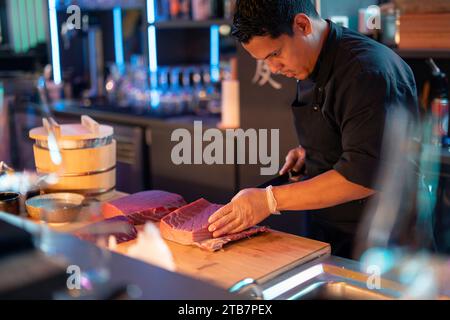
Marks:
<point>347,83</point>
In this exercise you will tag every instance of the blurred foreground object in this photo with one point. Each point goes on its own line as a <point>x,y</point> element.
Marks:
<point>151,248</point>
<point>399,234</point>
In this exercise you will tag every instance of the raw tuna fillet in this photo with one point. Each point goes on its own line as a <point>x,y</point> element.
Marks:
<point>189,226</point>
<point>218,243</point>
<point>120,227</point>
<point>144,206</point>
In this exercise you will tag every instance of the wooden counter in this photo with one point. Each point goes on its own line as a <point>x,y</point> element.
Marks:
<point>260,256</point>
<point>255,258</point>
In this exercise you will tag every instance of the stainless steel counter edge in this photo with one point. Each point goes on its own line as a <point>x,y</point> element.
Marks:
<point>155,283</point>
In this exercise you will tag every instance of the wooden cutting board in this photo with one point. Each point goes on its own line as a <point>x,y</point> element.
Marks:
<point>258,257</point>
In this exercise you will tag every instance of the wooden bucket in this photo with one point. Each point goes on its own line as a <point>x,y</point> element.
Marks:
<point>83,156</point>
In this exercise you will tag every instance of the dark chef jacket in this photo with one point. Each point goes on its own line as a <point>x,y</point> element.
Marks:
<point>339,116</point>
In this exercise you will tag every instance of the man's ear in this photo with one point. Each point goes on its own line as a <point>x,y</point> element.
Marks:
<point>303,24</point>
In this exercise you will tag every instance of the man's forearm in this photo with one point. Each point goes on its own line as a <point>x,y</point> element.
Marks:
<point>324,191</point>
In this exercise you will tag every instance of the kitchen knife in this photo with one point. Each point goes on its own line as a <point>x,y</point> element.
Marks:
<point>285,179</point>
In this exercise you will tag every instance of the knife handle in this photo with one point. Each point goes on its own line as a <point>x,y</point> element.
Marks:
<point>298,176</point>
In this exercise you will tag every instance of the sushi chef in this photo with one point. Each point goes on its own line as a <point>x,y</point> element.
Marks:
<point>346,83</point>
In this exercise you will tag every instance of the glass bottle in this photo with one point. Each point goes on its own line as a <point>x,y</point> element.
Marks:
<point>439,104</point>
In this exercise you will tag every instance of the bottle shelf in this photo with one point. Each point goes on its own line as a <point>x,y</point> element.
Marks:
<point>181,24</point>
<point>62,5</point>
<point>423,53</point>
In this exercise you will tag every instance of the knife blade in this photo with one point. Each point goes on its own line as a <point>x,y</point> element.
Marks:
<point>286,178</point>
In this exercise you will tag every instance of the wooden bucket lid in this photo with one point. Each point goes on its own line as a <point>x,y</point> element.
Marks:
<point>88,129</point>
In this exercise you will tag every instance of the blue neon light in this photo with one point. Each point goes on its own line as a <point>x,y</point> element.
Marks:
<point>153,80</point>
<point>54,41</point>
<point>118,37</point>
<point>215,53</point>
<point>151,11</point>
<point>155,99</point>
<point>153,57</point>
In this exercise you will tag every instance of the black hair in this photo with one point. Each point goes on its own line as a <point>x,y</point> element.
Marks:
<point>268,17</point>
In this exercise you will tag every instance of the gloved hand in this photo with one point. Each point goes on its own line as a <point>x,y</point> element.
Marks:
<point>248,208</point>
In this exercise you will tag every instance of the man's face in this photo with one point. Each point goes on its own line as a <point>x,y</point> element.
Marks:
<point>293,56</point>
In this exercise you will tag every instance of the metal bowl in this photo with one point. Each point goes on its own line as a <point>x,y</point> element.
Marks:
<point>55,207</point>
